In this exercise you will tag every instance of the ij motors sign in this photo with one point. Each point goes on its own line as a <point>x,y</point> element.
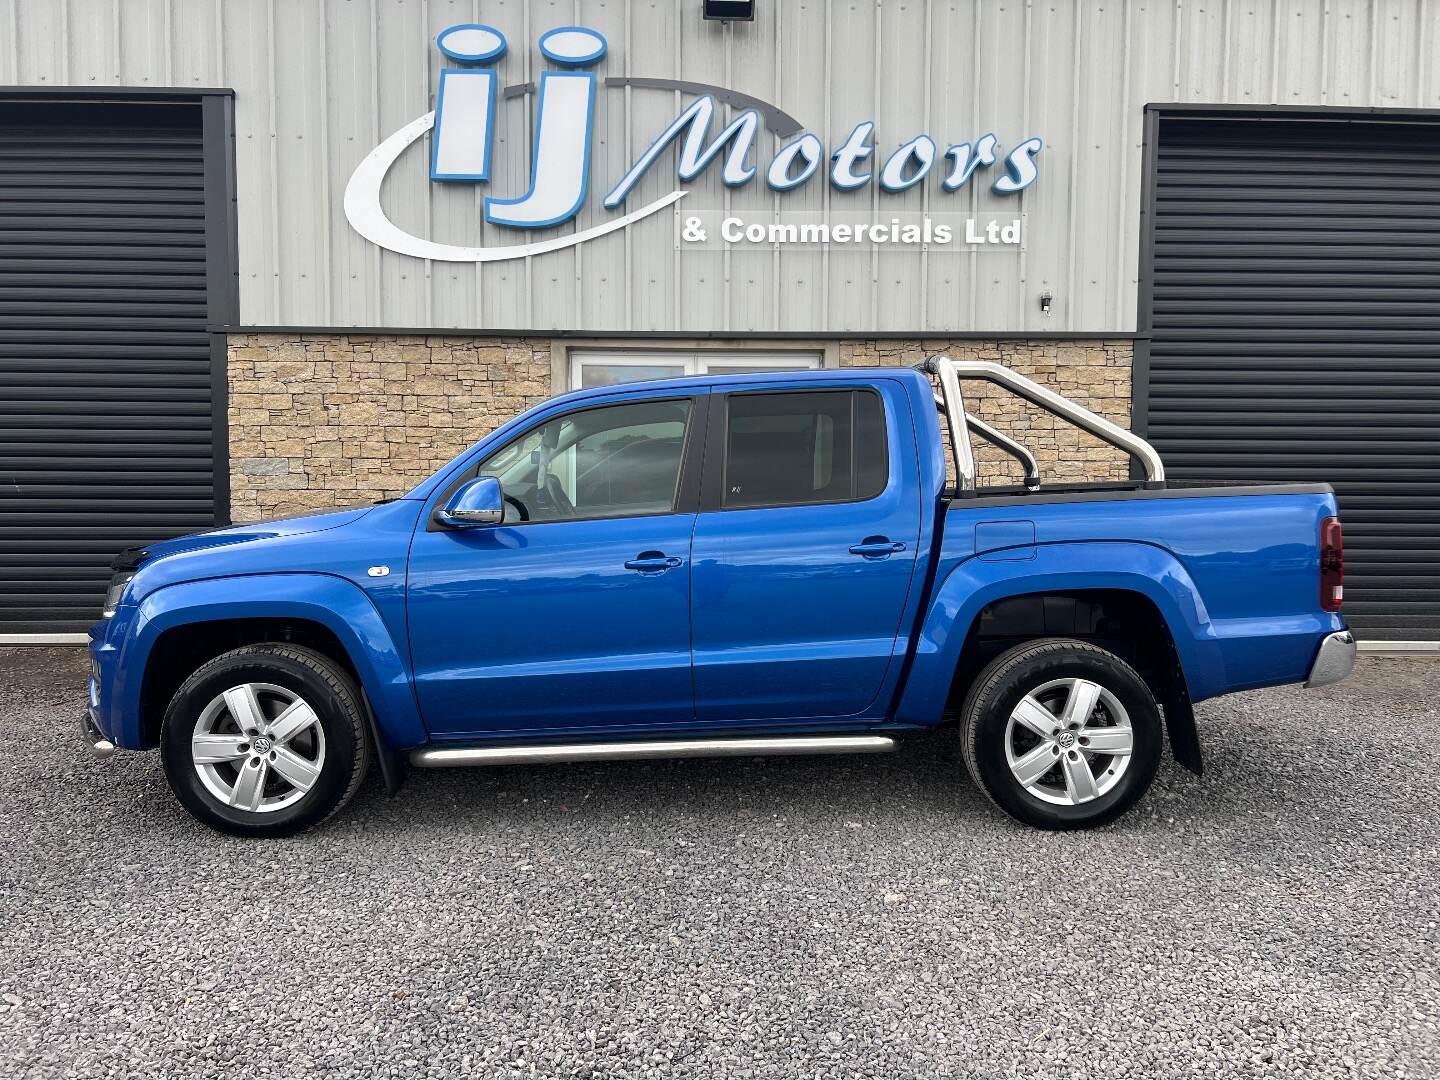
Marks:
<point>462,138</point>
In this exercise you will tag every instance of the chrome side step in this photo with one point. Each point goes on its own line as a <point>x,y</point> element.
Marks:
<point>440,757</point>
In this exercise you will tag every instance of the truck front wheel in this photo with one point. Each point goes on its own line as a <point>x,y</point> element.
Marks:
<point>265,740</point>
<point>1061,734</point>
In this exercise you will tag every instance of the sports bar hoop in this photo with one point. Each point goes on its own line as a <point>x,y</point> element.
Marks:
<point>951,402</point>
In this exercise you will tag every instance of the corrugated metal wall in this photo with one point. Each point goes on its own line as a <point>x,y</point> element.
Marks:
<point>106,436</point>
<point>319,82</point>
<point>1296,333</point>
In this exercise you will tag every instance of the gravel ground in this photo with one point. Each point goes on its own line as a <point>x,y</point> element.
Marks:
<point>827,918</point>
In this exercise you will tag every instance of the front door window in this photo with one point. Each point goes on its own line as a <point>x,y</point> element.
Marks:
<point>617,461</point>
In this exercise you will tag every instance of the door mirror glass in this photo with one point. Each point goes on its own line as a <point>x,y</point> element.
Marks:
<point>476,503</point>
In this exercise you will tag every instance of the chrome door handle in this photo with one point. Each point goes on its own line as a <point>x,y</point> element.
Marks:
<point>653,562</point>
<point>876,547</point>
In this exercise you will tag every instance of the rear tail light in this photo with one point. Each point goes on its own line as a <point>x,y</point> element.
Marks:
<point>1332,564</point>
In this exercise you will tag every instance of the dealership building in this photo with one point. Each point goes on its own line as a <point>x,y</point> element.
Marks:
<point>268,257</point>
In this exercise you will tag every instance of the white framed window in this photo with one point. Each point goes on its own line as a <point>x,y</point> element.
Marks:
<point>597,367</point>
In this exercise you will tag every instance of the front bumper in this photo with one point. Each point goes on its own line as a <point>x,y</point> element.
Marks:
<point>95,739</point>
<point>1335,659</point>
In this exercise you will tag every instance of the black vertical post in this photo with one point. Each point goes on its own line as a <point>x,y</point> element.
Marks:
<point>222,277</point>
<point>1145,293</point>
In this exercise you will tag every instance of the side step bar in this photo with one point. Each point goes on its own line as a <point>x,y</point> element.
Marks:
<point>441,757</point>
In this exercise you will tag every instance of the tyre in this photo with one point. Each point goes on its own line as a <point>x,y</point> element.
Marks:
<point>1061,734</point>
<point>266,740</point>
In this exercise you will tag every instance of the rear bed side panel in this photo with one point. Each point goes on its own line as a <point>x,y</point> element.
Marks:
<point>1236,577</point>
<point>971,584</point>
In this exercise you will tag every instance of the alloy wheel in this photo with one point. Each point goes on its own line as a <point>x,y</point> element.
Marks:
<point>1068,741</point>
<point>258,747</point>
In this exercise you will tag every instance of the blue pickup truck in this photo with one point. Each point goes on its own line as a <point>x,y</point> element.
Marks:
<point>748,564</point>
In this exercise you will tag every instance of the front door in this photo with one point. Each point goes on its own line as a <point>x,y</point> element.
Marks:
<point>803,552</point>
<point>574,612</point>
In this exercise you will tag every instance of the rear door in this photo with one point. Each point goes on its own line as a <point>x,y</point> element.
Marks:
<point>804,550</point>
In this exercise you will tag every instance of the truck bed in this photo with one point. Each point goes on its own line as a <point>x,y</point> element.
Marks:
<point>1232,568</point>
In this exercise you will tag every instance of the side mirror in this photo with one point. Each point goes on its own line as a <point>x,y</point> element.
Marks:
<point>476,503</point>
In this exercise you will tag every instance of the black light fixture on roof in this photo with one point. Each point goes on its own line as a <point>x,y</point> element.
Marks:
<point>728,10</point>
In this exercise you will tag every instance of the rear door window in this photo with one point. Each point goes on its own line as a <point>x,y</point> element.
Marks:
<point>802,448</point>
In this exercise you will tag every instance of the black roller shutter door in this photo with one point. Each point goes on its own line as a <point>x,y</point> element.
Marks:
<point>1295,321</point>
<point>106,432</point>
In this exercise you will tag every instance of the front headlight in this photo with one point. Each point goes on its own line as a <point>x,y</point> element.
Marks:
<point>114,593</point>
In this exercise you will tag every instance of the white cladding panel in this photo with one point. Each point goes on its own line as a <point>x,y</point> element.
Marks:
<point>319,83</point>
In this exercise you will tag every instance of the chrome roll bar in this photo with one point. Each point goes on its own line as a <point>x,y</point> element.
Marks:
<point>997,438</point>
<point>951,402</point>
<point>953,405</point>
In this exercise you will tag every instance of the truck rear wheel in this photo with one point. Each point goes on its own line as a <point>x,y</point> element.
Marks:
<point>265,740</point>
<point>1061,734</point>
